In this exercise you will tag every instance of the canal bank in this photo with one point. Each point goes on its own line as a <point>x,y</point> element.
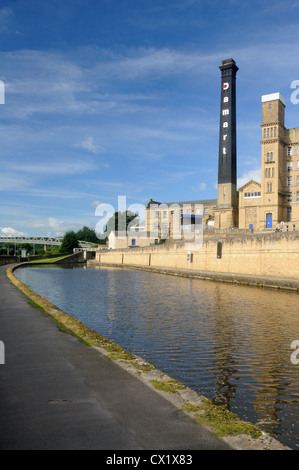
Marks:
<point>183,402</point>
<point>242,279</point>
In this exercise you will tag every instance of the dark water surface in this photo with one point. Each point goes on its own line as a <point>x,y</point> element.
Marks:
<point>229,343</point>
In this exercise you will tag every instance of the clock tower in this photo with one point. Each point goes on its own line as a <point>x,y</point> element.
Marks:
<point>226,214</point>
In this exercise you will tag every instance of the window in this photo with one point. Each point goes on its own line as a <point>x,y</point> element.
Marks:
<point>298,149</point>
<point>164,214</point>
<point>269,187</point>
<point>270,157</point>
<point>274,131</point>
<point>297,195</point>
<point>219,250</point>
<point>269,172</point>
<point>206,210</point>
<point>289,181</point>
<point>289,197</point>
<point>157,214</point>
<point>297,164</point>
<point>289,214</point>
<point>289,166</point>
<point>271,131</point>
<point>268,132</point>
<point>289,151</point>
<point>265,133</point>
<point>297,180</point>
<point>253,194</point>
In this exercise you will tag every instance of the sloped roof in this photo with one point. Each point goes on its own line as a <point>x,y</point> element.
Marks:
<point>247,184</point>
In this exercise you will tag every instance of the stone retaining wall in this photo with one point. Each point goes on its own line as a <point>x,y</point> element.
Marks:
<point>268,254</point>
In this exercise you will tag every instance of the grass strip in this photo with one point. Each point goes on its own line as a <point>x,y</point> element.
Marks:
<point>171,386</point>
<point>222,421</point>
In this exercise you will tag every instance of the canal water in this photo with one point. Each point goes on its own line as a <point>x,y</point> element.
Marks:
<point>229,343</point>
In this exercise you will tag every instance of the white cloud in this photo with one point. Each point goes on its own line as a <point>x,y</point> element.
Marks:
<point>89,145</point>
<point>249,175</point>
<point>9,231</point>
<point>153,62</point>
<point>52,225</point>
<point>95,203</point>
<point>10,182</point>
<point>5,14</point>
<point>67,168</point>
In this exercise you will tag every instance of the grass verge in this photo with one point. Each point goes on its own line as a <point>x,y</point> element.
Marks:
<point>171,386</point>
<point>222,421</point>
<point>48,260</point>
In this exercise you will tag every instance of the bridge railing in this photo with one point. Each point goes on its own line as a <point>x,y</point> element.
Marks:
<point>51,241</point>
<point>32,240</point>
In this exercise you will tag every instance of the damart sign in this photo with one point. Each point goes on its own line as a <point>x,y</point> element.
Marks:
<point>159,221</point>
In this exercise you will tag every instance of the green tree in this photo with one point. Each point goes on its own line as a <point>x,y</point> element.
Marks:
<point>69,242</point>
<point>117,219</point>
<point>87,234</point>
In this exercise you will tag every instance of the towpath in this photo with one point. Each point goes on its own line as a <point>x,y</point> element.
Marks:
<point>57,393</point>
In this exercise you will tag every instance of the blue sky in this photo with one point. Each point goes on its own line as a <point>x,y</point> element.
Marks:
<point>109,98</point>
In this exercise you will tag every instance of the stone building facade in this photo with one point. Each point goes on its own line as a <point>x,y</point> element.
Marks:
<point>170,221</point>
<point>277,204</point>
<point>269,205</point>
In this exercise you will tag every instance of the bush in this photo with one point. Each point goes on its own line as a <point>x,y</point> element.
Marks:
<point>69,242</point>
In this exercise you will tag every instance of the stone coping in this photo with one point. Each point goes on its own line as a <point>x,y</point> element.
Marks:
<point>291,284</point>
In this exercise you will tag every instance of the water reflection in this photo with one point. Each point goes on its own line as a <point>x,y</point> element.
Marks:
<point>229,343</point>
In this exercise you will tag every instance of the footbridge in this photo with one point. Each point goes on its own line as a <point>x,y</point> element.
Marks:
<point>43,240</point>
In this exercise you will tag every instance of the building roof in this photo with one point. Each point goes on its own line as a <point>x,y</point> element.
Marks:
<point>248,183</point>
<point>132,234</point>
<point>272,97</point>
<point>204,202</point>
